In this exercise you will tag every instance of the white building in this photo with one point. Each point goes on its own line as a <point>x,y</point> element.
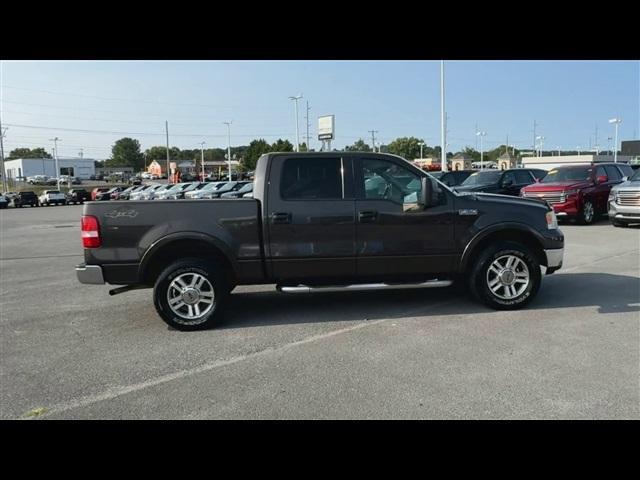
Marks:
<point>554,161</point>
<point>28,167</point>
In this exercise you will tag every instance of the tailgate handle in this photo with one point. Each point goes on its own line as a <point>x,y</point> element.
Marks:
<point>367,216</point>
<point>280,217</point>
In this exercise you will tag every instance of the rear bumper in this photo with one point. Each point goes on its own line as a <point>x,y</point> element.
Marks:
<point>91,274</point>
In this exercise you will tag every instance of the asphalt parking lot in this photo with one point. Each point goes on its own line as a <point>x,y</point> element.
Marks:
<point>72,351</point>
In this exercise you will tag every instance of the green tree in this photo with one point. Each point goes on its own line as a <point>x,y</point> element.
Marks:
<point>28,153</point>
<point>126,153</point>
<point>406,147</point>
<point>358,146</point>
<point>255,150</point>
<point>282,146</point>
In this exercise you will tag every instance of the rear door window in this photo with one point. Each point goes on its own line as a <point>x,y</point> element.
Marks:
<point>311,179</point>
<point>613,173</point>
<point>523,177</point>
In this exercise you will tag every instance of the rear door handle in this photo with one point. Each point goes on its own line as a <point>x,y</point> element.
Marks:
<point>280,217</point>
<point>367,216</point>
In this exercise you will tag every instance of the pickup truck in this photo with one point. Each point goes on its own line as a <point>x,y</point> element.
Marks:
<point>52,197</point>
<point>26,198</point>
<point>334,221</point>
<point>78,195</point>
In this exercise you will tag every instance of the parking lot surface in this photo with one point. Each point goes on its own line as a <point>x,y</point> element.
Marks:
<point>72,351</point>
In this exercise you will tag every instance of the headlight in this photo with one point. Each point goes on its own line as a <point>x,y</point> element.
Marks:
<point>612,197</point>
<point>567,193</point>
<point>552,220</point>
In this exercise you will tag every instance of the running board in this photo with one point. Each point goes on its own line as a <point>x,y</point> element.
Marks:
<point>364,286</point>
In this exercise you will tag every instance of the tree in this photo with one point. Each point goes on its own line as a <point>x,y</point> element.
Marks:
<point>282,146</point>
<point>254,151</point>
<point>358,146</point>
<point>28,153</point>
<point>406,147</point>
<point>126,153</point>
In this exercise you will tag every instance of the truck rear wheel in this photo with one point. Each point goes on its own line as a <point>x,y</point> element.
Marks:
<point>191,294</point>
<point>506,276</point>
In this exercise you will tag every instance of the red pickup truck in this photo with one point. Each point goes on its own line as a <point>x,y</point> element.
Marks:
<point>578,191</point>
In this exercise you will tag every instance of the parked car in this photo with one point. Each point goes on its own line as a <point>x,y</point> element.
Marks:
<point>116,194</point>
<point>227,187</point>
<point>624,201</point>
<point>150,193</point>
<point>138,191</point>
<point>4,201</point>
<point>452,178</point>
<point>577,192</point>
<point>247,188</point>
<point>201,192</point>
<point>26,198</point>
<point>52,197</point>
<point>314,227</point>
<point>109,194</point>
<point>503,182</point>
<point>177,191</point>
<point>97,191</point>
<point>78,195</point>
<point>38,180</point>
<point>10,195</point>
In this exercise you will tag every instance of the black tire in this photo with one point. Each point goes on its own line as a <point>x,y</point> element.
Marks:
<point>217,281</point>
<point>479,278</point>
<point>587,213</point>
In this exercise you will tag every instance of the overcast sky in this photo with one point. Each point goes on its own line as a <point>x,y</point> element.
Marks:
<point>90,104</point>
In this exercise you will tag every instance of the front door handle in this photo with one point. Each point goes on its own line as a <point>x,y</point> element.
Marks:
<point>280,218</point>
<point>367,216</point>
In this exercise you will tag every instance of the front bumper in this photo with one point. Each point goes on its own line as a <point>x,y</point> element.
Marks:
<point>554,258</point>
<point>624,212</point>
<point>91,274</point>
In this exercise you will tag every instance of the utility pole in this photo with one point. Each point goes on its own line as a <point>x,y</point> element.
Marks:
<point>308,125</point>
<point>228,124</point>
<point>2,170</point>
<point>202,158</point>
<point>55,156</point>
<point>476,135</point>
<point>166,127</point>
<point>535,125</point>
<point>373,139</point>
<point>443,140</point>
<point>295,99</point>
<point>616,122</point>
<point>481,135</point>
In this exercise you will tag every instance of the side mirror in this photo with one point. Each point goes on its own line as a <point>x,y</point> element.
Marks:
<point>602,179</point>
<point>428,192</point>
<point>625,178</point>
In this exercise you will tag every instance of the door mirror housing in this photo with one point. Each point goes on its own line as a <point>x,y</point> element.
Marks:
<point>429,192</point>
<point>602,179</point>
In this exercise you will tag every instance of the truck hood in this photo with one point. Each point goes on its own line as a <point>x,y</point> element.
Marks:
<point>506,200</point>
<point>556,186</point>
<point>631,186</point>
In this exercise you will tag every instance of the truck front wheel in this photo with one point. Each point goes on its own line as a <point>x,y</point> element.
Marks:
<point>191,294</point>
<point>506,276</point>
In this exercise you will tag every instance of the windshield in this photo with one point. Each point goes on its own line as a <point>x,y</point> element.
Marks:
<point>635,177</point>
<point>482,178</point>
<point>247,188</point>
<point>567,175</point>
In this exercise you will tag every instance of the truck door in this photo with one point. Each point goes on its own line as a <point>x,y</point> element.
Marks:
<point>394,235</point>
<point>311,217</point>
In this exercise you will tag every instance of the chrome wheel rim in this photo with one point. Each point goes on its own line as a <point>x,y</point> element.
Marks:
<point>190,297</point>
<point>508,277</point>
<point>588,211</point>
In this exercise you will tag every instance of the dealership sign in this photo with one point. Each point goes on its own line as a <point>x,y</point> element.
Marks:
<point>326,127</point>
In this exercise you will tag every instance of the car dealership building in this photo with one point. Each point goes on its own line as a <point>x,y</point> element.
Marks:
<point>20,168</point>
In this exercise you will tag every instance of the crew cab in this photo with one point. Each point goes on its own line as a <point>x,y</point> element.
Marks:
<point>578,192</point>
<point>503,182</point>
<point>321,222</point>
<point>52,197</point>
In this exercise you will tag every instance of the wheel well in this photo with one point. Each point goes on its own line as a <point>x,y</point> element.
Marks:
<point>177,249</point>
<point>513,235</point>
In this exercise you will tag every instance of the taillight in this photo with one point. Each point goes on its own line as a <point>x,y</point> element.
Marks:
<point>90,232</point>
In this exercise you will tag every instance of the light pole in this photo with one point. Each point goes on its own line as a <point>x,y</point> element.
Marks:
<point>578,148</point>
<point>55,156</point>
<point>540,138</point>
<point>228,124</point>
<point>2,170</point>
<point>421,145</point>
<point>443,139</point>
<point>481,135</point>
<point>295,99</point>
<point>558,148</point>
<point>616,122</point>
<point>202,158</point>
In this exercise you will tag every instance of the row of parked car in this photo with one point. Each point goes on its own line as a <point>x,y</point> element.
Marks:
<point>188,190</point>
<point>578,192</point>
<point>45,180</point>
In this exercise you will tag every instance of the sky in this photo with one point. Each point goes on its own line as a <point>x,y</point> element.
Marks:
<point>91,104</point>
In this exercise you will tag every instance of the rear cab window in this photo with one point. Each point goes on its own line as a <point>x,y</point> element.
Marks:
<point>312,179</point>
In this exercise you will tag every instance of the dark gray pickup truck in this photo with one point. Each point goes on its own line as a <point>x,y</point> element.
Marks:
<point>321,222</point>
